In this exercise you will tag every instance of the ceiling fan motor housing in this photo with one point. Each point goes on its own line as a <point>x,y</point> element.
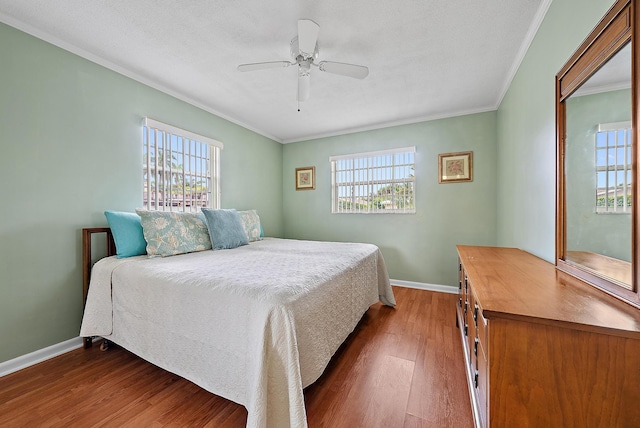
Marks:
<point>299,55</point>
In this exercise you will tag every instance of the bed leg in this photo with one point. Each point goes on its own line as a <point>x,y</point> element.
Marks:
<point>104,345</point>
<point>87,342</point>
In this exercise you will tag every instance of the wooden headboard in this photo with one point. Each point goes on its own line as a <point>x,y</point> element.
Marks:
<point>87,261</point>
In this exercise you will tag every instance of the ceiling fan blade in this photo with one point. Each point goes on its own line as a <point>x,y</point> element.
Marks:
<point>263,65</point>
<point>307,36</point>
<point>304,84</point>
<point>350,70</point>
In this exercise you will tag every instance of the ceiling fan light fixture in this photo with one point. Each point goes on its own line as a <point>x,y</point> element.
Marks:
<point>304,68</point>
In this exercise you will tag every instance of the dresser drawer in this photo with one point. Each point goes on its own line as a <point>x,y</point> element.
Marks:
<point>482,384</point>
<point>482,329</point>
<point>472,333</point>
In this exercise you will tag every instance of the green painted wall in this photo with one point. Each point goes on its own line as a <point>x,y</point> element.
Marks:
<point>608,234</point>
<point>526,129</point>
<point>420,247</point>
<point>70,135</point>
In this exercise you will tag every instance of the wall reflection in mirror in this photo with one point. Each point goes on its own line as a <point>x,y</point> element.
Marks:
<point>598,172</point>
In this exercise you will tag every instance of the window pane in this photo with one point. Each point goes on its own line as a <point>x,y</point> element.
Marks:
<point>613,170</point>
<point>379,183</point>
<point>180,175</point>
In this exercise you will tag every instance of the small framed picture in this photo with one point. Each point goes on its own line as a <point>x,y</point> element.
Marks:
<point>306,178</point>
<point>455,167</point>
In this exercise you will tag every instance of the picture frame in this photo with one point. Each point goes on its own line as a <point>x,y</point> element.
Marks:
<point>455,167</point>
<point>306,178</point>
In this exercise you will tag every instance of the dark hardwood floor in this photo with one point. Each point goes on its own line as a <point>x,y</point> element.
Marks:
<point>399,368</point>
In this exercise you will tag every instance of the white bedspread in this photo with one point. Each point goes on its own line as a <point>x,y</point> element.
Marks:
<point>255,324</point>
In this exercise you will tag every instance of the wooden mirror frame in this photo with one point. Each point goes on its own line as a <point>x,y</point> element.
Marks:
<point>617,28</point>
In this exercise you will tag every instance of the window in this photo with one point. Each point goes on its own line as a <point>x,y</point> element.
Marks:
<point>180,169</point>
<point>613,168</point>
<point>374,182</point>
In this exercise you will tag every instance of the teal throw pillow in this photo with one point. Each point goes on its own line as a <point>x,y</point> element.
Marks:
<point>127,233</point>
<point>225,228</point>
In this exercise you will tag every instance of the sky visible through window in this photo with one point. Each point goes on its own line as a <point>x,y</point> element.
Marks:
<point>188,157</point>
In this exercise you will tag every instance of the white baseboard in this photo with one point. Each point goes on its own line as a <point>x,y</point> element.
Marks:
<point>425,286</point>
<point>39,356</point>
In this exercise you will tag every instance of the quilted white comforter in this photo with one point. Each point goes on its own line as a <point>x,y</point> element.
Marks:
<point>255,324</point>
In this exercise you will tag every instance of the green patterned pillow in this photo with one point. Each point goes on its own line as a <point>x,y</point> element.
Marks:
<point>172,233</point>
<point>251,224</point>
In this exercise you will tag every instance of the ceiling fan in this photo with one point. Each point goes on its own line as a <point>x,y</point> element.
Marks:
<point>304,50</point>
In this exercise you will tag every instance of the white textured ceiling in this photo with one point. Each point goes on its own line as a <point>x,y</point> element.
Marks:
<point>427,59</point>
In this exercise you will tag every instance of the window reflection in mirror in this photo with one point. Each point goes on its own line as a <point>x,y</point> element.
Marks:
<point>598,172</point>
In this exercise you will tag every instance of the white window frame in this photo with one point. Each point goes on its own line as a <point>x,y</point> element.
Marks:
<point>200,163</point>
<point>365,174</point>
<point>619,188</point>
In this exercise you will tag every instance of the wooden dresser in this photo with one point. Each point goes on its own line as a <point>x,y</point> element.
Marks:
<point>542,348</point>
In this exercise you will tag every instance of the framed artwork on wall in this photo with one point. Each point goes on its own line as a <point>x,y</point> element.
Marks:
<point>455,167</point>
<point>306,178</point>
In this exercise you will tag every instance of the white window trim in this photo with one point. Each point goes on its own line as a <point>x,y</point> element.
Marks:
<point>152,123</point>
<point>614,126</point>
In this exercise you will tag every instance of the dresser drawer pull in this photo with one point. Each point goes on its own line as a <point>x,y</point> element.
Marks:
<point>475,346</point>
<point>475,380</point>
<point>475,313</point>
<point>460,302</point>
<point>466,329</point>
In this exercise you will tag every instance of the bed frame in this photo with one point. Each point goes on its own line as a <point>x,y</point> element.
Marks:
<point>87,263</point>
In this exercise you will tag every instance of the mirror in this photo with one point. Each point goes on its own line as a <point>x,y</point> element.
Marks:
<point>598,172</point>
<point>596,109</point>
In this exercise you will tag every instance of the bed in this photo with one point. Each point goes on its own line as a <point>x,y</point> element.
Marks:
<point>255,324</point>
